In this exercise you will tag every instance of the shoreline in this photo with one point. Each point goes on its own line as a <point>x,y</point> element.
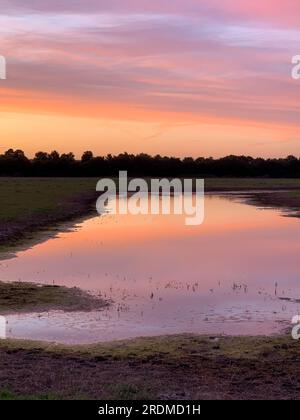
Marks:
<point>16,231</point>
<point>181,367</point>
<point>26,297</point>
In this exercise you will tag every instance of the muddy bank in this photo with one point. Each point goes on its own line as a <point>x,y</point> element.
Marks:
<point>15,231</point>
<point>287,201</point>
<point>31,297</point>
<point>29,206</point>
<point>173,367</point>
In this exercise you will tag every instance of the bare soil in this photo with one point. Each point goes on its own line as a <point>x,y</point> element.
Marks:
<point>174,367</point>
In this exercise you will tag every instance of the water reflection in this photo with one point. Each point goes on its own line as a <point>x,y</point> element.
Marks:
<point>233,274</point>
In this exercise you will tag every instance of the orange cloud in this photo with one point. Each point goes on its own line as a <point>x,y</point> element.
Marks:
<point>185,78</point>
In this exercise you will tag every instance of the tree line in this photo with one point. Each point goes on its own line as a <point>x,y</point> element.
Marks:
<point>15,163</point>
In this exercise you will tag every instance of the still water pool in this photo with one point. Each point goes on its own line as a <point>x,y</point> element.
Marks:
<point>237,273</point>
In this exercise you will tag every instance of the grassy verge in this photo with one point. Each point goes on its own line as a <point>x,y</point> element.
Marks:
<point>28,297</point>
<point>179,367</point>
<point>6,395</point>
<point>248,184</point>
<point>29,205</point>
<point>27,196</point>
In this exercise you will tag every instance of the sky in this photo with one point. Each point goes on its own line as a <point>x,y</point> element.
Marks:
<point>174,77</point>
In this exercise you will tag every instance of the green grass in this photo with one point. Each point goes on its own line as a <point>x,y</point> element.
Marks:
<point>31,206</point>
<point>27,297</point>
<point>121,391</point>
<point>170,367</point>
<point>172,347</point>
<point>23,197</point>
<point>177,347</point>
<point>6,395</point>
<point>251,183</point>
<point>127,391</point>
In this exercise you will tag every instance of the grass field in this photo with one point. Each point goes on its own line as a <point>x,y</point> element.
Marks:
<point>6,395</point>
<point>31,205</point>
<point>170,367</point>
<point>26,297</point>
<point>24,197</point>
<point>244,184</point>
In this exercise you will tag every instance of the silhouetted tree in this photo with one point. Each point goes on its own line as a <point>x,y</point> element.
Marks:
<point>87,156</point>
<point>15,163</point>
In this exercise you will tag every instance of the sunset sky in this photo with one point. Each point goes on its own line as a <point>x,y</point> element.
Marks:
<point>175,77</point>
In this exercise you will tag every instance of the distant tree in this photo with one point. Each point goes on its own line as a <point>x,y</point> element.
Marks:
<point>87,156</point>
<point>41,157</point>
<point>15,163</point>
<point>54,156</point>
<point>68,157</point>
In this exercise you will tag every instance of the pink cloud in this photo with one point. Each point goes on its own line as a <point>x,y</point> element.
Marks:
<point>271,11</point>
<point>192,57</point>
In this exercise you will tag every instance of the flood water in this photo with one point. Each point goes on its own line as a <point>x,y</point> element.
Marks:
<point>237,273</point>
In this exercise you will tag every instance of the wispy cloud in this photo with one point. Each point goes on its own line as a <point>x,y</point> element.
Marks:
<point>201,60</point>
